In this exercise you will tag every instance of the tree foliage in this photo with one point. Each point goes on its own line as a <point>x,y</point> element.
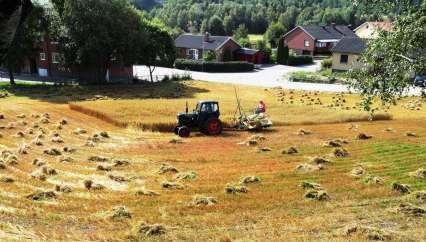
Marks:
<point>24,44</point>
<point>393,58</point>
<point>93,33</point>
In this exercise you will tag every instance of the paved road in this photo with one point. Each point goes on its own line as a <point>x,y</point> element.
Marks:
<point>265,76</point>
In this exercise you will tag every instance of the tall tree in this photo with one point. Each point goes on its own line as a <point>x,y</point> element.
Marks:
<point>25,42</point>
<point>393,57</point>
<point>216,26</point>
<point>274,33</point>
<point>96,31</point>
<point>282,52</point>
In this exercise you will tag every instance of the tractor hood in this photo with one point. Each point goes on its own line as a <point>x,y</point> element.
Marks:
<point>186,118</point>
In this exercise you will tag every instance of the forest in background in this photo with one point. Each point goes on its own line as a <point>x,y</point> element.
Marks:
<point>225,16</point>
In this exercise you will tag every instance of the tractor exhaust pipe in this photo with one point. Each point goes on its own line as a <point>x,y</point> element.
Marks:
<point>186,109</point>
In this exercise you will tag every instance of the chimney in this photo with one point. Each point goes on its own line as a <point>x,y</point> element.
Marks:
<point>333,25</point>
<point>207,37</point>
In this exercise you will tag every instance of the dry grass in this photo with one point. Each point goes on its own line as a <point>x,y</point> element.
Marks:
<point>283,110</point>
<point>272,210</point>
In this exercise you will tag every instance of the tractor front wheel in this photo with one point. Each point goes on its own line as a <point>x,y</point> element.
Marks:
<point>183,131</point>
<point>213,126</point>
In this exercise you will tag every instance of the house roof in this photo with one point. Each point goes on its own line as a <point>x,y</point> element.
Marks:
<point>353,45</point>
<point>192,41</point>
<point>383,25</point>
<point>330,32</point>
<point>247,51</point>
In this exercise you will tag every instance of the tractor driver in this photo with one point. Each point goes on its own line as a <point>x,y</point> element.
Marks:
<point>261,108</point>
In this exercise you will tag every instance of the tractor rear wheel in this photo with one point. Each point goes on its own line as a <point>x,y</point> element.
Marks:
<point>213,126</point>
<point>183,131</point>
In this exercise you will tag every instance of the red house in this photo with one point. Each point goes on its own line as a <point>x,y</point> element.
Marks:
<point>251,55</point>
<point>50,64</point>
<point>314,40</point>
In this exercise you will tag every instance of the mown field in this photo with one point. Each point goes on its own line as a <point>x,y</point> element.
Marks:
<point>157,111</point>
<point>132,200</point>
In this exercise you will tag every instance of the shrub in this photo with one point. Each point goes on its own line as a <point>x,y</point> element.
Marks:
<point>209,66</point>
<point>326,63</point>
<point>297,60</point>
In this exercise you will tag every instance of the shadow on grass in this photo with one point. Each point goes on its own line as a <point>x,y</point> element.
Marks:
<point>72,93</point>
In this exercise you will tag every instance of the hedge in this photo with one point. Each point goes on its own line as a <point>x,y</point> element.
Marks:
<point>212,66</point>
<point>297,60</point>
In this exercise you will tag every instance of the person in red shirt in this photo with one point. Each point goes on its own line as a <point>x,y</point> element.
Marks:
<point>261,108</point>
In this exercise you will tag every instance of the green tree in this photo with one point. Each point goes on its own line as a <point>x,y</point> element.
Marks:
<point>215,26</point>
<point>282,52</point>
<point>241,32</point>
<point>274,33</point>
<point>96,31</point>
<point>25,42</point>
<point>209,55</point>
<point>261,45</point>
<point>393,58</point>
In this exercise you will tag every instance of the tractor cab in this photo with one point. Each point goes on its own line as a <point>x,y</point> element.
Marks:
<point>205,118</point>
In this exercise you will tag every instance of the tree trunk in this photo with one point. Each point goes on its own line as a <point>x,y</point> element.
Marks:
<point>11,75</point>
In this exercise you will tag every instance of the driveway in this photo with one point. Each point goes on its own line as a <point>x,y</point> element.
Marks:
<point>264,76</point>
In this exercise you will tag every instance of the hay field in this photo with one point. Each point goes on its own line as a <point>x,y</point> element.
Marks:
<point>284,106</point>
<point>132,201</point>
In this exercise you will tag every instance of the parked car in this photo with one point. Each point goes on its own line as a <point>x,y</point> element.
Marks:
<point>420,81</point>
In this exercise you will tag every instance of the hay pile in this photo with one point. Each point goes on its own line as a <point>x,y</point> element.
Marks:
<point>335,143</point>
<point>49,171</point>
<point>203,201</point>
<point>69,149</point>
<point>118,178</point>
<point>370,233</point>
<point>363,136</point>
<point>340,152</point>
<point>304,168</point>
<point>23,149</point>
<point>253,140</point>
<point>171,185</point>
<point>290,151</point>
<point>421,196</point>
<point>8,158</point>
<point>52,152</point>
<point>37,142</point>
<point>118,213</point>
<point>320,161</point>
<point>146,192</point>
<point>414,105</point>
<point>235,188</point>
<point>263,149</point>
<point>319,195</point>
<point>78,131</point>
<point>145,229</point>
<point>188,175</point>
<point>358,172</point>
<point>97,158</point>
<point>5,179</point>
<point>38,162</point>
<point>22,115</point>
<point>117,162</point>
<point>311,185</point>
<point>409,209</point>
<point>303,132</point>
<point>176,141</point>
<point>374,179</point>
<point>63,188</point>
<point>166,168</point>
<point>42,195</point>
<point>1,116</point>
<point>250,179</point>
<point>410,134</point>
<point>90,185</point>
<point>419,173</point>
<point>103,168</point>
<point>401,188</point>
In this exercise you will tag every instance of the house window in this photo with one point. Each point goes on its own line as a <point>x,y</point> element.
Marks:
<point>343,59</point>
<point>321,44</point>
<point>56,58</point>
<point>192,54</point>
<point>307,44</point>
<point>42,56</point>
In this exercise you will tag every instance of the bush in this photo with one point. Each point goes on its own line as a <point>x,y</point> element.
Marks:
<point>326,63</point>
<point>297,60</point>
<point>210,66</point>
